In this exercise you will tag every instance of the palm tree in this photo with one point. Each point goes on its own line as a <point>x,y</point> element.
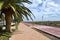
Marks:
<point>14,8</point>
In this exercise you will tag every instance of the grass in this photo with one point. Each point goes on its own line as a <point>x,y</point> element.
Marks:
<point>4,35</point>
<point>49,23</point>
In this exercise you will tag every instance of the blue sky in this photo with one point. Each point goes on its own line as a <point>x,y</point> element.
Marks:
<point>45,10</point>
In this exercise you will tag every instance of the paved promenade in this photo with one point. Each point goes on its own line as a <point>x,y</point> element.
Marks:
<point>26,33</point>
<point>48,29</point>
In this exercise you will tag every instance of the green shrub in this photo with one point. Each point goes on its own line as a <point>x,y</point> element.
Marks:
<point>17,26</point>
<point>4,35</point>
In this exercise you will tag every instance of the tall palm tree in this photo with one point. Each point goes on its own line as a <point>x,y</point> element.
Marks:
<point>14,8</point>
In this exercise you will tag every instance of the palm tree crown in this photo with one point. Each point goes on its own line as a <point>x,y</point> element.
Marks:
<point>16,9</point>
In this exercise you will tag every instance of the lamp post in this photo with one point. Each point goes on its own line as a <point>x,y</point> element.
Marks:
<point>42,18</point>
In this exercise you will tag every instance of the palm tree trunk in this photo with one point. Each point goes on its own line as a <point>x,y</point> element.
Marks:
<point>8,19</point>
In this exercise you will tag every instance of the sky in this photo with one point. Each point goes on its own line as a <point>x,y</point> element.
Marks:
<point>45,10</point>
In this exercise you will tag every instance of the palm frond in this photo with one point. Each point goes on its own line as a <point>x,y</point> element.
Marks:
<point>19,1</point>
<point>26,12</point>
<point>2,16</point>
<point>1,4</point>
<point>20,11</point>
<point>14,9</point>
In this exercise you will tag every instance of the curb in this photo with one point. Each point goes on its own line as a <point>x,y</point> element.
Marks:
<point>49,33</point>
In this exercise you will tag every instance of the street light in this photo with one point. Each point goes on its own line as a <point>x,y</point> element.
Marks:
<point>42,18</point>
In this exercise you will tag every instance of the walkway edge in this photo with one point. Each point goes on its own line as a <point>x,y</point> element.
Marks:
<point>48,33</point>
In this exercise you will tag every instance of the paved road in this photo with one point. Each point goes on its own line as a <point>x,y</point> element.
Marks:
<point>48,29</point>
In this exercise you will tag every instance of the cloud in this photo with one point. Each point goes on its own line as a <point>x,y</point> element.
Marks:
<point>48,8</point>
<point>56,1</point>
<point>53,4</point>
